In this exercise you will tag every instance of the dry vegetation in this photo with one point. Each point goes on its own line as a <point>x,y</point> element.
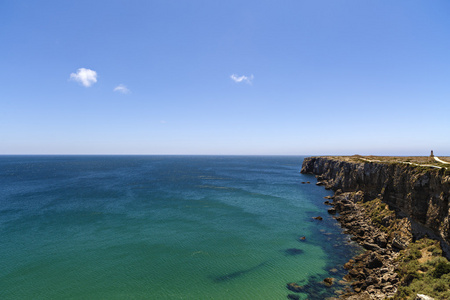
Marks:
<point>420,160</point>
<point>423,269</point>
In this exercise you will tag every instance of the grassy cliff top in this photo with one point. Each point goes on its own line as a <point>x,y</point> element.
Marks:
<point>416,160</point>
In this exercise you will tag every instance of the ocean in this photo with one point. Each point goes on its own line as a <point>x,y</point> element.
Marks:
<point>165,227</point>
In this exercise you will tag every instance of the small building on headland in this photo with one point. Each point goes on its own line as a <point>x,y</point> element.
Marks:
<point>432,155</point>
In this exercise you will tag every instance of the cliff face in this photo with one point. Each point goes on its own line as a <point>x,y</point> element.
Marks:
<point>421,194</point>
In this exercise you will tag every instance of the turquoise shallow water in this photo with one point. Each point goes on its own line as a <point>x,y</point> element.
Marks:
<point>163,227</point>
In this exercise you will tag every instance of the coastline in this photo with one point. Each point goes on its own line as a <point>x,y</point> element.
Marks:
<point>383,230</point>
<point>371,274</point>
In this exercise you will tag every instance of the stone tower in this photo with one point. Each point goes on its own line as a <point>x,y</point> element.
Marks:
<point>432,155</point>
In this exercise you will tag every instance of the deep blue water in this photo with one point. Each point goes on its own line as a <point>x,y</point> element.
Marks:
<point>164,227</point>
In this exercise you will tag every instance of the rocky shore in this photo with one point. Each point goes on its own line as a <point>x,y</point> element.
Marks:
<point>372,273</point>
<point>367,203</point>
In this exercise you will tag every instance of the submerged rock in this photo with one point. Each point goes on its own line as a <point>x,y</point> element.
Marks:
<point>293,286</point>
<point>293,251</point>
<point>334,270</point>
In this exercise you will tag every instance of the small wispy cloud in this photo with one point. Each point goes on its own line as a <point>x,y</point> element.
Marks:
<point>243,78</point>
<point>86,77</point>
<point>121,89</point>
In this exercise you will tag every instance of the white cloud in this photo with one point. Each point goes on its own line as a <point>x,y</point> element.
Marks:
<point>121,89</point>
<point>243,78</point>
<point>86,77</point>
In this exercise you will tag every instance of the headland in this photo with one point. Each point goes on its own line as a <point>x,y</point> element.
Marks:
<point>397,208</point>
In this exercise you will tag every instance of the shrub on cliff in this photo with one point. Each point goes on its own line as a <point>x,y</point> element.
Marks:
<point>441,269</point>
<point>380,213</point>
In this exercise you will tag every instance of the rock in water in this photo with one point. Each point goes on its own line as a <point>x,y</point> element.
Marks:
<point>328,281</point>
<point>293,251</point>
<point>294,287</point>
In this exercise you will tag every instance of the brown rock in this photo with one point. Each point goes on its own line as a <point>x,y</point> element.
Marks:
<point>353,272</point>
<point>375,261</point>
<point>371,280</point>
<point>359,284</point>
<point>370,246</point>
<point>388,288</point>
<point>347,277</point>
<point>349,264</point>
<point>328,281</point>
<point>399,243</point>
<point>381,241</point>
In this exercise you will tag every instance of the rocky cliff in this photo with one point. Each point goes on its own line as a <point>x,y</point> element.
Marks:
<point>420,193</point>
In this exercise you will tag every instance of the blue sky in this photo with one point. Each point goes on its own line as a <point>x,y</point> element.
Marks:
<point>225,77</point>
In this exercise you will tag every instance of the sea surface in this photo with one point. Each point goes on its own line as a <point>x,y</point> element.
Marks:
<point>164,227</point>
